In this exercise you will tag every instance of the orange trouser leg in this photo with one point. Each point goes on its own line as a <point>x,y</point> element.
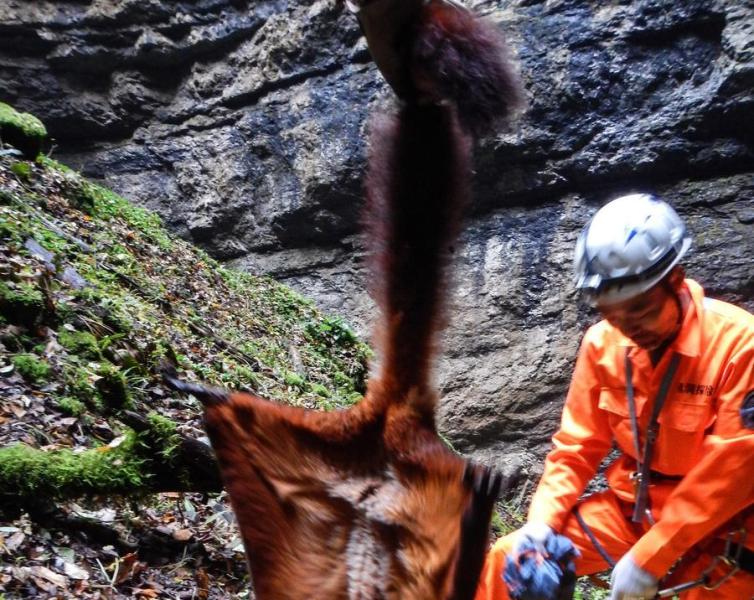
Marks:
<point>616,534</point>
<point>606,520</point>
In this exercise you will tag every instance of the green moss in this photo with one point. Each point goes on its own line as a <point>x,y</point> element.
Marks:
<point>590,592</point>
<point>105,204</point>
<point>138,322</point>
<point>15,341</point>
<point>22,170</point>
<point>109,306</point>
<point>25,122</point>
<point>121,257</point>
<point>53,164</point>
<point>21,303</point>
<point>240,376</point>
<point>22,130</point>
<point>499,526</point>
<point>320,390</point>
<point>113,386</point>
<point>295,380</point>
<point>6,197</point>
<point>336,349</point>
<point>8,230</point>
<point>342,380</point>
<point>331,332</point>
<point>31,367</point>
<point>81,343</point>
<point>35,473</point>
<point>79,384</point>
<point>71,406</point>
<point>81,198</point>
<point>165,434</point>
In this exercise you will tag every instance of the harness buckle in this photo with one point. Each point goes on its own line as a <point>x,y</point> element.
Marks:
<point>727,558</point>
<point>635,478</point>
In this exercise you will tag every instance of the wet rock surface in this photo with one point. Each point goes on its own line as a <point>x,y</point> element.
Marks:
<point>243,124</point>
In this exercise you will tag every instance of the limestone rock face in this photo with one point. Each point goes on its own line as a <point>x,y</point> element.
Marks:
<point>243,123</point>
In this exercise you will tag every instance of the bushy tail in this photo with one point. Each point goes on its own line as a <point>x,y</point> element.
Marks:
<point>417,186</point>
<point>419,179</point>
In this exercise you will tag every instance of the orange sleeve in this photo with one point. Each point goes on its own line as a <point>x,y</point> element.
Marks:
<point>719,486</point>
<point>583,440</point>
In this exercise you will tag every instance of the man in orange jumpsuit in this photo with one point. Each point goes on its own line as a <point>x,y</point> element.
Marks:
<point>663,348</point>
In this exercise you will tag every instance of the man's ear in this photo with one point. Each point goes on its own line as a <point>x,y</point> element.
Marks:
<point>675,277</point>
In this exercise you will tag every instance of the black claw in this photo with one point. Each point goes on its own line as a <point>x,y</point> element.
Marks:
<point>485,482</point>
<point>469,472</point>
<point>495,484</point>
<point>208,396</point>
<point>482,480</point>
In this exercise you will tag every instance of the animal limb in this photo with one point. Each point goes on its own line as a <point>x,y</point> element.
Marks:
<point>368,503</point>
<point>435,50</point>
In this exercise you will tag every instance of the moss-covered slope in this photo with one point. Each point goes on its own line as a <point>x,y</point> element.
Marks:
<point>95,294</point>
<point>95,297</point>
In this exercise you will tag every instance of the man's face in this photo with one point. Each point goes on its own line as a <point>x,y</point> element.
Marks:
<point>648,319</point>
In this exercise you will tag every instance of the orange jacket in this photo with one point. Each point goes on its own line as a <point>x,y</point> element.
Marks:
<point>701,435</point>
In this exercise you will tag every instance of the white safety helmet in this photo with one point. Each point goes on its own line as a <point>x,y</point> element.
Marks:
<point>630,244</point>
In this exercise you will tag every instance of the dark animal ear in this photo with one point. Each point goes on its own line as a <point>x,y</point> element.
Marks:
<point>485,485</point>
<point>207,395</point>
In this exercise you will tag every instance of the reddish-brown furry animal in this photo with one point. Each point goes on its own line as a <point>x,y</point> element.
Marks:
<point>368,503</point>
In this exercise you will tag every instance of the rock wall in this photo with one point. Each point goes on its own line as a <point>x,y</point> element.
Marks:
<point>243,124</point>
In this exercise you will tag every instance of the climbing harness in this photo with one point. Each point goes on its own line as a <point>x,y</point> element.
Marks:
<point>593,538</point>
<point>734,556</point>
<point>641,477</point>
<point>643,474</point>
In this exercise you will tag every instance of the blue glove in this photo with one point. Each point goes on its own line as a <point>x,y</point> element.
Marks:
<point>631,582</point>
<point>541,565</point>
<point>534,532</point>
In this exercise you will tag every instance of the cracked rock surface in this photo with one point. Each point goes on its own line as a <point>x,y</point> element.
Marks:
<point>243,124</point>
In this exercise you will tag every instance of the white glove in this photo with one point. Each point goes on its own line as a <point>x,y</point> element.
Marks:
<point>535,531</point>
<point>631,582</point>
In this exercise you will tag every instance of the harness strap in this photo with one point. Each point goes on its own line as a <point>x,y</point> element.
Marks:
<point>644,459</point>
<point>593,538</point>
<point>745,558</point>
<point>735,556</point>
<point>632,409</point>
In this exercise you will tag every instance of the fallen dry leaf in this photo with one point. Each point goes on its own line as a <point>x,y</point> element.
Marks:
<point>128,567</point>
<point>17,411</point>
<point>183,535</point>
<point>51,576</point>
<point>75,572</point>
<point>14,541</point>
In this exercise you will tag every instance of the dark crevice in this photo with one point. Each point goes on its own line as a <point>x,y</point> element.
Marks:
<point>604,182</point>
<point>109,59</point>
<point>709,27</point>
<point>252,97</point>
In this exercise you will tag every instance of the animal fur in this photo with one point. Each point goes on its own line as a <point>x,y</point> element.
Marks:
<point>368,503</point>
